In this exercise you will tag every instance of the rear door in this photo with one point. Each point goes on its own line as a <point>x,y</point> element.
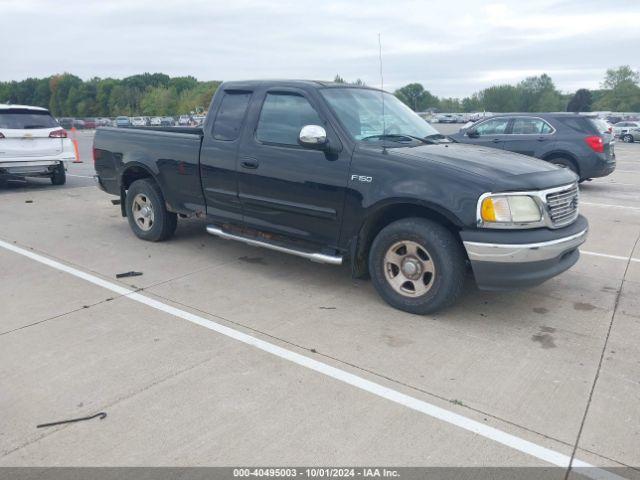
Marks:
<point>490,133</point>
<point>26,134</point>
<point>219,154</point>
<point>530,136</point>
<point>285,188</point>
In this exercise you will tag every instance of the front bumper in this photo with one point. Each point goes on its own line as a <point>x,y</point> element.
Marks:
<point>507,260</point>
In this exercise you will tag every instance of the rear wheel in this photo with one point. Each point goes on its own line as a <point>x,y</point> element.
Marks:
<point>146,212</point>
<point>417,265</point>
<point>59,176</point>
<point>627,138</point>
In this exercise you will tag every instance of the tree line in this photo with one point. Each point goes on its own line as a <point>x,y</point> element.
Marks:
<point>67,95</point>
<point>620,92</point>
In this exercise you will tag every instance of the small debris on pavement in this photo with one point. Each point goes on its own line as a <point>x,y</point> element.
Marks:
<point>101,415</point>
<point>128,274</point>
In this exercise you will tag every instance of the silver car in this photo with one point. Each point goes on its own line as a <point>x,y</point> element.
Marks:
<point>628,132</point>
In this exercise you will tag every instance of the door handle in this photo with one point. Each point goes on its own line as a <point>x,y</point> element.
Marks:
<point>248,162</point>
<point>496,140</point>
<point>541,139</point>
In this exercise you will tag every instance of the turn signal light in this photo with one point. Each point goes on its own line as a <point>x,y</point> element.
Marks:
<point>596,143</point>
<point>62,133</point>
<point>488,212</point>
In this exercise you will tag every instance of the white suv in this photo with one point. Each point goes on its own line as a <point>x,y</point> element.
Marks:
<point>32,144</point>
<point>628,132</point>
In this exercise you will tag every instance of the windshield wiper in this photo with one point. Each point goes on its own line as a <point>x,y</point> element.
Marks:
<point>397,137</point>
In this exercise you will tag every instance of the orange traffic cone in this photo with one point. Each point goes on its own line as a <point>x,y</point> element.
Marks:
<point>74,140</point>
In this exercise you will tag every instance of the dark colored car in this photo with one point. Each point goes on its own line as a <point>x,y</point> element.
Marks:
<point>66,123</point>
<point>569,140</point>
<point>90,123</point>
<point>315,170</point>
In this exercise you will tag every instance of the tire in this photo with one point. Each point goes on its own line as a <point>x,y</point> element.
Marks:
<point>565,163</point>
<point>627,138</point>
<point>440,259</point>
<point>154,224</point>
<point>59,176</point>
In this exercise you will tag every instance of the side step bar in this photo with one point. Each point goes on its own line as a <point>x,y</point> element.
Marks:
<point>314,257</point>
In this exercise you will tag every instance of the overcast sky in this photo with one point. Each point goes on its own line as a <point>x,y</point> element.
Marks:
<point>452,47</point>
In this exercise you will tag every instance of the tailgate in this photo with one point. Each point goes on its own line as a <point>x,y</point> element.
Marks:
<point>18,144</point>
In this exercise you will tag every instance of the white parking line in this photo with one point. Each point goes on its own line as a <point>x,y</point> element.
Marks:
<point>511,441</point>
<point>608,205</point>
<point>606,255</point>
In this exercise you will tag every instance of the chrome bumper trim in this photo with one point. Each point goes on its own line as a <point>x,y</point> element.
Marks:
<point>528,252</point>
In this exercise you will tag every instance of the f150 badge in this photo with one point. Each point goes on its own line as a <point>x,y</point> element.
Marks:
<point>362,178</point>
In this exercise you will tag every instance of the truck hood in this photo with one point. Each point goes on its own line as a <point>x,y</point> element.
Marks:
<point>503,170</point>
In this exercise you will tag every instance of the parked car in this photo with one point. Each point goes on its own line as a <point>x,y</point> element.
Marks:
<point>199,119</point>
<point>447,118</point>
<point>393,196</point>
<point>167,122</point>
<point>569,140</point>
<point>78,124</point>
<point>138,122</point>
<point>66,123</point>
<point>90,123</point>
<point>156,122</point>
<point>184,120</point>
<point>32,144</point>
<point>123,121</point>
<point>628,132</point>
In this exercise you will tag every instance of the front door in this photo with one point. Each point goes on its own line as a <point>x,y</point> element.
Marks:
<point>285,188</point>
<point>490,133</point>
<point>530,136</point>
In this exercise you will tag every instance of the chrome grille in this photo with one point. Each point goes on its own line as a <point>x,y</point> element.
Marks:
<point>563,206</point>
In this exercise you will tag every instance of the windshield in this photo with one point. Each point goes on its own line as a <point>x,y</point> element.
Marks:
<point>22,118</point>
<point>360,111</point>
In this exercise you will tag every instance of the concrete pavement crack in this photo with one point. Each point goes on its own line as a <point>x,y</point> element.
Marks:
<point>601,360</point>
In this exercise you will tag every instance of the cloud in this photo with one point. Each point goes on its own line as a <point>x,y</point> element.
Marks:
<point>453,48</point>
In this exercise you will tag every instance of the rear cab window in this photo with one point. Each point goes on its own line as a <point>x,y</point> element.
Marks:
<point>231,113</point>
<point>26,119</point>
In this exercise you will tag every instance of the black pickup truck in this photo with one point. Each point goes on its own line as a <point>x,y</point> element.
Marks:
<point>332,172</point>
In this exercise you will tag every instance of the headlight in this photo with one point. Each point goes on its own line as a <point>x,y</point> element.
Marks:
<point>509,211</point>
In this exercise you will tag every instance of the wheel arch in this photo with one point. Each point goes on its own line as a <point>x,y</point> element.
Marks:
<point>382,215</point>
<point>133,171</point>
<point>563,154</point>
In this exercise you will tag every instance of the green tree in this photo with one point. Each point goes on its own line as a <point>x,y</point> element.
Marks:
<point>416,97</point>
<point>623,92</point>
<point>580,102</point>
<point>501,98</point>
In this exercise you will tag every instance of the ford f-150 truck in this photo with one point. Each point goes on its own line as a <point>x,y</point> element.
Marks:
<point>333,172</point>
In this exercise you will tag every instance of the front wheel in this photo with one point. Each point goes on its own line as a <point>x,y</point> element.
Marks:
<point>564,163</point>
<point>417,265</point>
<point>146,212</point>
<point>627,138</point>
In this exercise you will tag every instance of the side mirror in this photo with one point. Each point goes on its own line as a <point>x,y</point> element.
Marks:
<point>471,133</point>
<point>313,136</point>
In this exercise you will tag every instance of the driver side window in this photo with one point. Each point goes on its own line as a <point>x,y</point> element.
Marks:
<point>282,117</point>
<point>496,126</point>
